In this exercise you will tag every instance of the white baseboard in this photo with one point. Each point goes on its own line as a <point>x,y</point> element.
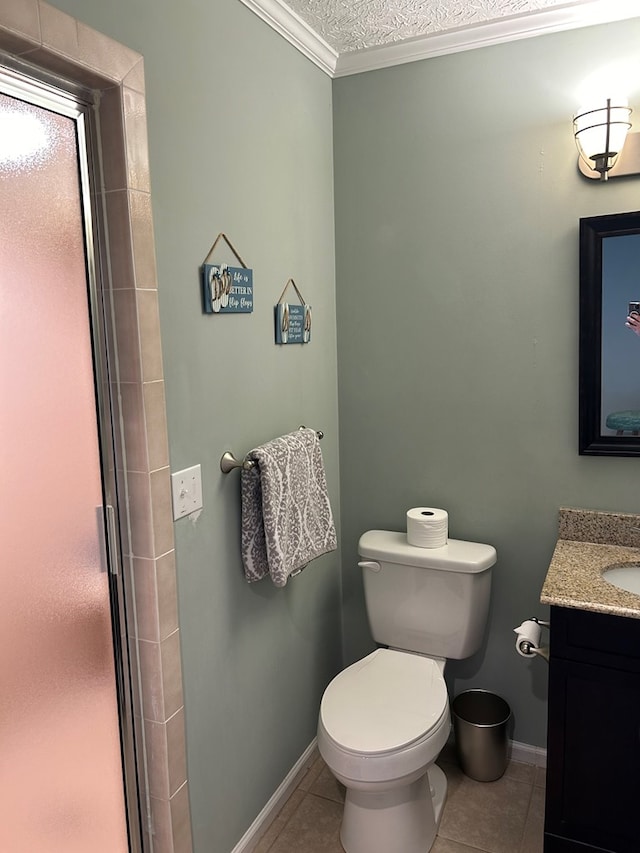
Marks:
<point>528,754</point>
<point>252,836</point>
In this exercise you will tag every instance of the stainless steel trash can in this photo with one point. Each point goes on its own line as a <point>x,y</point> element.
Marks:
<point>480,727</point>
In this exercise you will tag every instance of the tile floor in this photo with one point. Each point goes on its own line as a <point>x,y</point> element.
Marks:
<point>505,816</point>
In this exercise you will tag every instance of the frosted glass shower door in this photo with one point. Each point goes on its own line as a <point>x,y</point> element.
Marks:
<point>61,779</point>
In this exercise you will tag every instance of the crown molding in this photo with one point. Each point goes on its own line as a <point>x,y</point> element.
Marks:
<point>483,35</point>
<point>296,31</point>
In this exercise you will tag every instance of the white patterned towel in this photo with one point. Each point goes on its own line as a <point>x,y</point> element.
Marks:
<point>286,514</point>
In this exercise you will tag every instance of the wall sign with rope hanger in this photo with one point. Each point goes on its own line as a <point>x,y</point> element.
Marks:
<point>226,289</point>
<point>293,322</point>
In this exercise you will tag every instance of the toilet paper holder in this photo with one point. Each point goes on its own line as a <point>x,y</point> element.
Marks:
<point>528,638</point>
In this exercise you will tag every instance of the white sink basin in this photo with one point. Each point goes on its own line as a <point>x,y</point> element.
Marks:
<point>625,576</point>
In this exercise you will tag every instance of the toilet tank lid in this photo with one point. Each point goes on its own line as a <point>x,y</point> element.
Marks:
<point>456,556</point>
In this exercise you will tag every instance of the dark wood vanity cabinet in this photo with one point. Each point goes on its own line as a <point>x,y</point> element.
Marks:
<point>593,742</point>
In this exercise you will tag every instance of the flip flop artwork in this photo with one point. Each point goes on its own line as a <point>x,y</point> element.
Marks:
<point>226,289</point>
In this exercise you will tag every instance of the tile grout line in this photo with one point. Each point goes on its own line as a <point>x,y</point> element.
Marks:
<point>542,789</point>
<point>288,820</point>
<point>298,789</point>
<point>526,819</point>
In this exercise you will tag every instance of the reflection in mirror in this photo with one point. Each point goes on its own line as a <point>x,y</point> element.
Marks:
<point>609,347</point>
<point>620,347</point>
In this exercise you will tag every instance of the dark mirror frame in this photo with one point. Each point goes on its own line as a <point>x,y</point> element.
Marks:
<point>593,230</point>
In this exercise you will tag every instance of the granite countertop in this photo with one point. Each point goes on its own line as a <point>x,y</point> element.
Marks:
<point>590,541</point>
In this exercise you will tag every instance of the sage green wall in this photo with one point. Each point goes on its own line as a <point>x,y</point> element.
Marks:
<point>456,204</point>
<point>457,207</point>
<point>240,140</point>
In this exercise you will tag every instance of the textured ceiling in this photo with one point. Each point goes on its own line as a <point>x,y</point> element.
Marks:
<point>351,25</point>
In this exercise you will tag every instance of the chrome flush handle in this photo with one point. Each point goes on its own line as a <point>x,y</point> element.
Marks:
<point>370,564</point>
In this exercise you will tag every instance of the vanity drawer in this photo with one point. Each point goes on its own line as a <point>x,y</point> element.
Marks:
<point>596,638</point>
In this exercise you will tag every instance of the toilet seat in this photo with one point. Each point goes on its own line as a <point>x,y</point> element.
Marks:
<point>383,703</point>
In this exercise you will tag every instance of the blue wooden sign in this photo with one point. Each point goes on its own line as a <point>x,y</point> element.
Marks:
<point>227,290</point>
<point>293,323</point>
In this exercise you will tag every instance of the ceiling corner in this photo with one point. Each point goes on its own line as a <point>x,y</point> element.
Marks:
<point>296,31</point>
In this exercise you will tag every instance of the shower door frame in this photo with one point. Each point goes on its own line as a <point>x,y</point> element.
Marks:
<point>79,107</point>
<point>54,44</point>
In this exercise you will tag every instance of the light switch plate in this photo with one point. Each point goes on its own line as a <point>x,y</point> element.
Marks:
<point>186,490</point>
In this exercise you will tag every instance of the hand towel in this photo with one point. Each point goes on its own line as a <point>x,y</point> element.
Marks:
<point>286,514</point>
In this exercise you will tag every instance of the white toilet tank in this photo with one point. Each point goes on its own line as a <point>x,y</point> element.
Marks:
<point>433,601</point>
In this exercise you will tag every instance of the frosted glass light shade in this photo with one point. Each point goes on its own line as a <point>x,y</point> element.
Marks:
<point>600,132</point>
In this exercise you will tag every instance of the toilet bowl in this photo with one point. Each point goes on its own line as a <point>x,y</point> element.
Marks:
<point>383,721</point>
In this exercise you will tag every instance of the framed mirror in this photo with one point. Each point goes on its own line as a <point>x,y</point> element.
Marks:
<point>609,394</point>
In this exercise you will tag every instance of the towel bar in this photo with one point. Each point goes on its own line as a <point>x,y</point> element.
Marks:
<point>228,461</point>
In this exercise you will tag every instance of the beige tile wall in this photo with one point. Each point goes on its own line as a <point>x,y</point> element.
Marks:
<point>55,42</point>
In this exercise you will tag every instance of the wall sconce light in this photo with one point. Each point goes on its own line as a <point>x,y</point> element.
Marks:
<point>600,133</point>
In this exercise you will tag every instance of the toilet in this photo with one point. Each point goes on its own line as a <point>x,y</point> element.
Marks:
<point>384,719</point>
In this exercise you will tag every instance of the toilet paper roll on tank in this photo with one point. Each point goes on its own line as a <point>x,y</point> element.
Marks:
<point>427,527</point>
